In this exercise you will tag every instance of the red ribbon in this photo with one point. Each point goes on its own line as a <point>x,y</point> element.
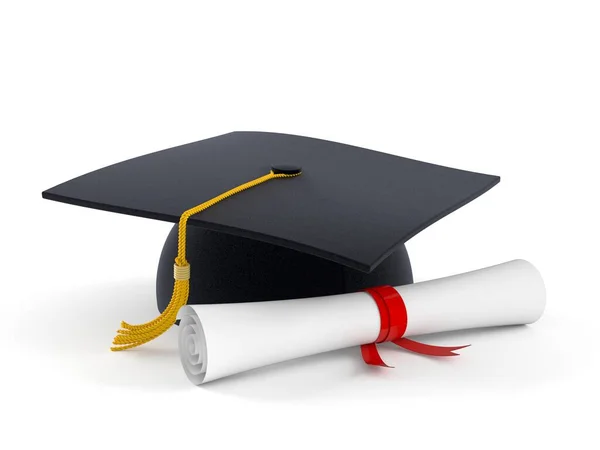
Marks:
<point>394,321</point>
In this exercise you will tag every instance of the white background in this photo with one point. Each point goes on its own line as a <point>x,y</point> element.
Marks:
<point>509,88</point>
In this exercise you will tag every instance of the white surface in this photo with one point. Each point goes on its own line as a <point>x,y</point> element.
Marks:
<point>217,341</point>
<point>508,88</point>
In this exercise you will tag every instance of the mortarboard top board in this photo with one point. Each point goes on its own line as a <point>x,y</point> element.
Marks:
<point>339,227</point>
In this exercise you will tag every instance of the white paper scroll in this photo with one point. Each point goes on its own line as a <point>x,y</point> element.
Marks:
<point>220,340</point>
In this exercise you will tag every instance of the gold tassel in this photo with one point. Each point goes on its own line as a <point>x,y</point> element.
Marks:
<point>130,336</point>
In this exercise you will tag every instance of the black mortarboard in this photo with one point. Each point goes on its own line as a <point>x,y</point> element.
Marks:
<point>339,227</point>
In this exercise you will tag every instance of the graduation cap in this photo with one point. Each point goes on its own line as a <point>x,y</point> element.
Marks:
<point>315,217</point>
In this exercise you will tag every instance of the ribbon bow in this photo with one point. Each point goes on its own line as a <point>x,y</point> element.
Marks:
<point>394,320</point>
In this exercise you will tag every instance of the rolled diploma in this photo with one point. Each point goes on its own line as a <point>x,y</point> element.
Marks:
<point>223,339</point>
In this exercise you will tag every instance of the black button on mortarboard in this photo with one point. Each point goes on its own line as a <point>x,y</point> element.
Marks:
<point>286,169</point>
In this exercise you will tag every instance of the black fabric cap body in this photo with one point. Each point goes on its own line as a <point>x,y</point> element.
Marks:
<point>330,230</point>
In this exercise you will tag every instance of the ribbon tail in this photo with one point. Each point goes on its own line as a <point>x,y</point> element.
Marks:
<point>426,349</point>
<point>371,355</point>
